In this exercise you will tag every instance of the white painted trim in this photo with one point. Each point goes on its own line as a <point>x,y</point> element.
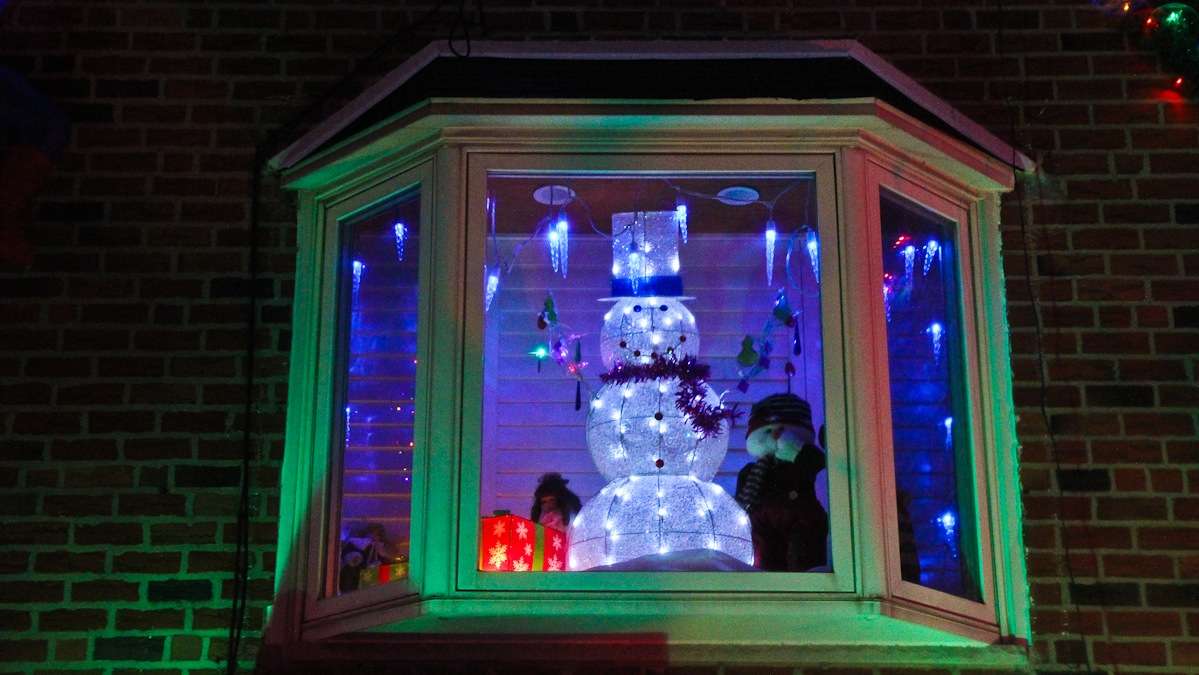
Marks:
<point>664,50</point>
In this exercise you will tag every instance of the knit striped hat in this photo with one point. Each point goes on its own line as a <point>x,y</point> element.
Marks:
<point>781,408</point>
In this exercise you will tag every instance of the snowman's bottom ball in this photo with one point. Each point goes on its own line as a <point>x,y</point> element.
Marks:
<point>644,515</point>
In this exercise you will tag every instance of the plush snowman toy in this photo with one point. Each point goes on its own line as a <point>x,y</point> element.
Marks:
<point>790,527</point>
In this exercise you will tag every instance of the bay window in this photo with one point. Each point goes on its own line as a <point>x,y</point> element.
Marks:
<point>648,360</point>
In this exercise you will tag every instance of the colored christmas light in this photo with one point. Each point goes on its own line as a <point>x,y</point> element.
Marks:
<point>948,432</point>
<point>680,217</point>
<point>772,236</point>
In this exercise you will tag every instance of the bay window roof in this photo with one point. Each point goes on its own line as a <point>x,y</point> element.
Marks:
<point>807,71</point>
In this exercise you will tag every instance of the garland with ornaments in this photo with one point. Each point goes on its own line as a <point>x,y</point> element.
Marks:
<point>1170,28</point>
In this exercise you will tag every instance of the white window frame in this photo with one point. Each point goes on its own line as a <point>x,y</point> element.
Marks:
<point>453,155</point>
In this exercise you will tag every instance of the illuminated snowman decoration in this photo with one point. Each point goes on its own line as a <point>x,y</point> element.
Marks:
<point>660,498</point>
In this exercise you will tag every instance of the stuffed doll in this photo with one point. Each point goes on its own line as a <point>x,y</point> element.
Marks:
<point>364,548</point>
<point>554,505</point>
<point>778,490</point>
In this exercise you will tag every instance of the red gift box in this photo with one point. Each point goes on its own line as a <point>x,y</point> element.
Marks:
<point>509,543</point>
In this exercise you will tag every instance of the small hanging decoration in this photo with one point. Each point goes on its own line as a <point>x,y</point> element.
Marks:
<point>937,333</point>
<point>931,250</point>
<point>575,369</point>
<point>754,356</point>
<point>401,236</point>
<point>772,236</point>
<point>540,352</point>
<point>948,433</point>
<point>680,218</point>
<point>789,369</point>
<point>557,346</point>
<point>491,284</point>
<point>812,243</point>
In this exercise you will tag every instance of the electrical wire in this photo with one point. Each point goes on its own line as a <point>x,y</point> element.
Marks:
<point>262,151</point>
<point>1042,366</point>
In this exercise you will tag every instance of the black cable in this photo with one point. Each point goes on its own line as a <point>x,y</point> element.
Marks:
<point>262,151</point>
<point>1042,366</point>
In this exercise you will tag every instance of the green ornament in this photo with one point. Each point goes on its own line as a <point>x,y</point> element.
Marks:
<point>550,312</point>
<point>748,355</point>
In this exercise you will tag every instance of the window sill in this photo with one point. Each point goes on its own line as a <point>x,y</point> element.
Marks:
<point>651,633</point>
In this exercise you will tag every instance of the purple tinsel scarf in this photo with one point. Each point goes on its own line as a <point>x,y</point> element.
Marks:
<point>692,376</point>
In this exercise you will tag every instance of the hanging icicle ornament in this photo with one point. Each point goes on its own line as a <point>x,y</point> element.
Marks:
<point>563,229</point>
<point>359,269</point>
<point>948,523</point>
<point>936,333</point>
<point>948,432</point>
<point>772,235</point>
<point>491,284</point>
<point>888,294</point>
<point>909,263</point>
<point>931,250</point>
<point>401,236</point>
<point>812,243</point>
<point>680,218</point>
<point>558,239</point>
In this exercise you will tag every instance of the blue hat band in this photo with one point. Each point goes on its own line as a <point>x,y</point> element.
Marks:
<point>648,287</point>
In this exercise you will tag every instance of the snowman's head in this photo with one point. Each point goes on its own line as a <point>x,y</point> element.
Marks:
<point>779,425</point>
<point>638,329</point>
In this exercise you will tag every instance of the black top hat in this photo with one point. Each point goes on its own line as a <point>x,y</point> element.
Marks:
<point>781,408</point>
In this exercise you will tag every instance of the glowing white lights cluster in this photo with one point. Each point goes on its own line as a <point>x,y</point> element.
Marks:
<point>646,244</point>
<point>632,426</point>
<point>659,499</point>
<point>645,515</point>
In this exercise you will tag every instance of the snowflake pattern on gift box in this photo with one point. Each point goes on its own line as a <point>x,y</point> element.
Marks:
<point>522,531</point>
<point>497,530</point>
<point>520,566</point>
<point>498,553</point>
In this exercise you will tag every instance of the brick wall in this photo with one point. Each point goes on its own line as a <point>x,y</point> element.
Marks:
<point>122,349</point>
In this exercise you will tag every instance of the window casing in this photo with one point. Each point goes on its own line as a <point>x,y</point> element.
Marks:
<point>854,176</point>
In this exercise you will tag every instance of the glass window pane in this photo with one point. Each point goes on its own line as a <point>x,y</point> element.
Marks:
<point>933,466</point>
<point>623,311</point>
<point>379,294</point>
